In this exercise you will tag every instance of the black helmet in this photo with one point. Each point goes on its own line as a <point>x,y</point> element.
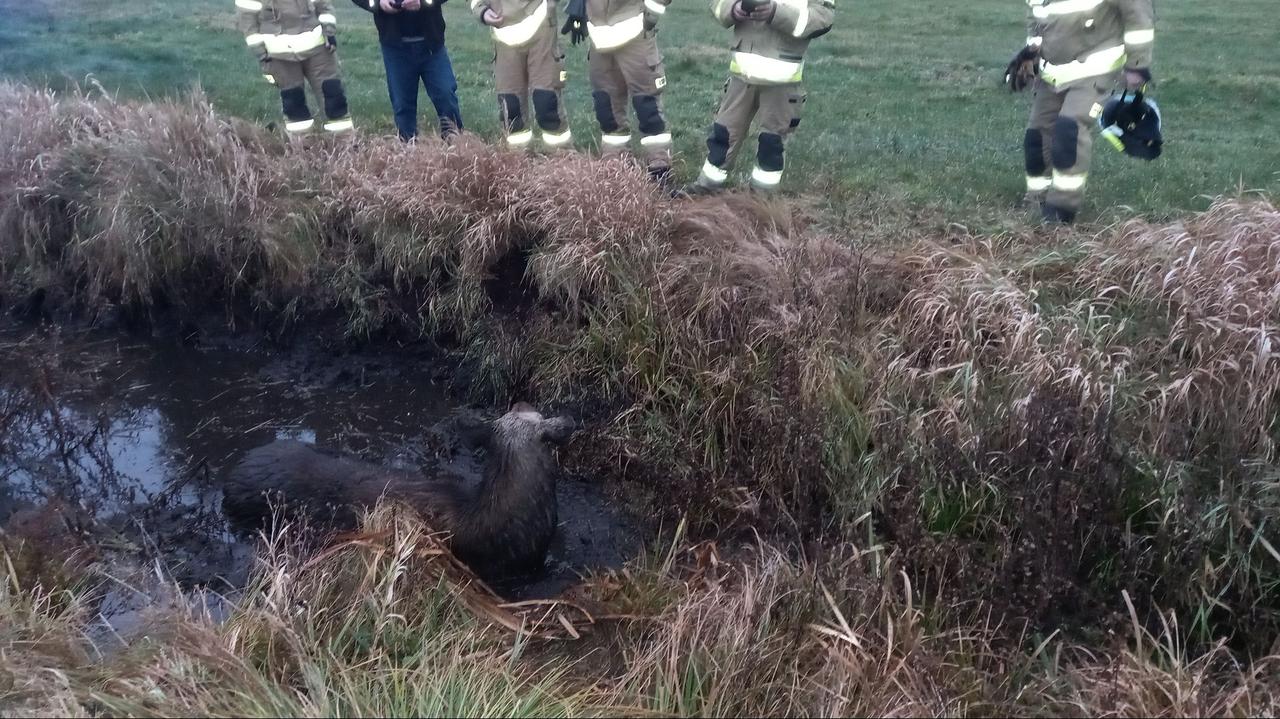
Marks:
<point>1131,123</point>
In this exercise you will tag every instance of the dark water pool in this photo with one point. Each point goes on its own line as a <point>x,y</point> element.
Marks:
<point>141,432</point>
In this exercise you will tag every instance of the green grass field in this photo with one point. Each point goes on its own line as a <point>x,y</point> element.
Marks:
<point>905,102</point>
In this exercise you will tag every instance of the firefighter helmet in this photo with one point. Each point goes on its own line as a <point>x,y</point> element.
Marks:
<point>1131,123</point>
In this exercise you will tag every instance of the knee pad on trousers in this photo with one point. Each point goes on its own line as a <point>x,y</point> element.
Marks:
<point>294,102</point>
<point>769,156</point>
<point>604,111</point>
<point>335,99</point>
<point>511,112</point>
<point>546,108</point>
<point>648,116</point>
<point>1033,149</point>
<point>718,145</point>
<point>1066,135</point>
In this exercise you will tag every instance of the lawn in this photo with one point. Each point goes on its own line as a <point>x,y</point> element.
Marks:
<point>905,103</point>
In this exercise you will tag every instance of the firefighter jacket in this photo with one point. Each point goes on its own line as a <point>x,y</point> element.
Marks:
<point>521,19</point>
<point>614,23</point>
<point>1083,39</point>
<point>772,53</point>
<point>285,29</point>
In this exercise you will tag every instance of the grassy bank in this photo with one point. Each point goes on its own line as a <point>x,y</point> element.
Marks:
<point>979,440</point>
<point>905,103</point>
<point>375,626</point>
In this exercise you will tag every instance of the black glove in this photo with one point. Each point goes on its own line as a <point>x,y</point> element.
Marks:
<point>332,41</point>
<point>575,25</point>
<point>1023,69</point>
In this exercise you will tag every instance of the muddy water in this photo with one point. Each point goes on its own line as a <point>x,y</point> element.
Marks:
<point>141,432</point>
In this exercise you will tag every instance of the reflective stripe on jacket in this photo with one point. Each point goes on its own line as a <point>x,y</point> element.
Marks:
<point>285,29</point>
<point>772,53</point>
<point>521,19</point>
<point>614,23</point>
<point>1082,39</point>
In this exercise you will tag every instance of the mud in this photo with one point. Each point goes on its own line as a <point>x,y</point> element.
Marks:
<point>139,433</point>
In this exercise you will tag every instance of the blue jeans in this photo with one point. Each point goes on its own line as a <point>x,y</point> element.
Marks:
<point>408,63</point>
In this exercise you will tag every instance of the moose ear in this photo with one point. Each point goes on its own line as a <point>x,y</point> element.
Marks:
<point>558,430</point>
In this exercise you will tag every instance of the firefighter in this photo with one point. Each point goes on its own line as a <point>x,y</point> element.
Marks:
<point>527,61</point>
<point>295,42</point>
<point>626,73</point>
<point>1075,50</point>
<point>770,38</point>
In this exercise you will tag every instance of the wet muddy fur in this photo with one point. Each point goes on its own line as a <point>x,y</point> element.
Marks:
<point>503,527</point>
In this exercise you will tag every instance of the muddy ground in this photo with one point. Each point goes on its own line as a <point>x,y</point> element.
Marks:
<point>138,431</point>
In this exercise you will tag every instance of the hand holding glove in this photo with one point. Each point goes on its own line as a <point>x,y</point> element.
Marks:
<point>1023,69</point>
<point>575,25</point>
<point>753,10</point>
<point>264,64</point>
<point>332,42</point>
<point>1135,80</point>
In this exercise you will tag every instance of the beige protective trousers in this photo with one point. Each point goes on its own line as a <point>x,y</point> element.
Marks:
<point>632,72</point>
<point>536,68</point>
<point>1059,140</point>
<point>321,71</point>
<point>779,108</point>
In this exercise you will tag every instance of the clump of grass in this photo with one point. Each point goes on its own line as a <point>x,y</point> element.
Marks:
<point>131,204</point>
<point>41,648</point>
<point>376,626</point>
<point>1215,280</point>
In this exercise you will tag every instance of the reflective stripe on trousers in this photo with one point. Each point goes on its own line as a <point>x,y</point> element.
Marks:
<point>765,178</point>
<point>520,139</point>
<point>712,175</point>
<point>1069,183</point>
<point>554,139</point>
<point>340,125</point>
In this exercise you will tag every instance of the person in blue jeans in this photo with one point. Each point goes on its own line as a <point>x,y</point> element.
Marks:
<point>411,33</point>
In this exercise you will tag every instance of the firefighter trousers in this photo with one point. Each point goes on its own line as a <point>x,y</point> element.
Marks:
<point>536,69</point>
<point>632,74</point>
<point>321,71</point>
<point>1058,144</point>
<point>779,108</point>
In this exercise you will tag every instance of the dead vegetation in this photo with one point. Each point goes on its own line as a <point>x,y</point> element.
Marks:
<point>1036,429</point>
<point>384,623</point>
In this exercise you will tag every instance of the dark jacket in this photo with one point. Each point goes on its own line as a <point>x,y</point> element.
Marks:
<point>427,22</point>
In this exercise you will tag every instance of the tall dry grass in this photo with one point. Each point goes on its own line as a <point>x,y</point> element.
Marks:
<point>1035,425</point>
<point>372,627</point>
<point>378,625</point>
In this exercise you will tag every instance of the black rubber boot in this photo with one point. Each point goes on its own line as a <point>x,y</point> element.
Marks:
<point>695,189</point>
<point>1052,215</point>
